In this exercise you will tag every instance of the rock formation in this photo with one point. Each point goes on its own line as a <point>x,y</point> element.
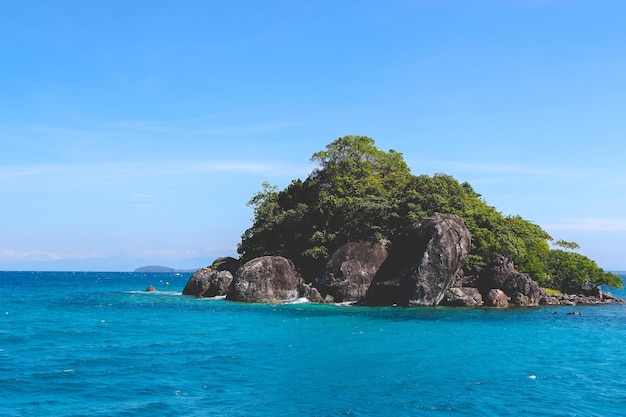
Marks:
<point>496,298</point>
<point>521,289</point>
<point>462,297</point>
<point>350,270</point>
<point>422,263</point>
<point>420,267</point>
<point>208,282</point>
<point>268,279</point>
<point>226,263</point>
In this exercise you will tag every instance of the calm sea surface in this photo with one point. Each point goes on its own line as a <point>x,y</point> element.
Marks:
<point>96,344</point>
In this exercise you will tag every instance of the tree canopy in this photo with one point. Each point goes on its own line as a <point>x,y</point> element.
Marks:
<point>358,192</point>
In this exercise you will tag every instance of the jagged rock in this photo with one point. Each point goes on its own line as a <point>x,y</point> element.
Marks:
<point>422,263</point>
<point>520,288</point>
<point>208,282</point>
<point>496,298</point>
<point>520,299</point>
<point>268,279</point>
<point>226,263</point>
<point>150,288</point>
<point>350,270</point>
<point>310,293</point>
<point>495,274</point>
<point>549,300</point>
<point>530,293</point>
<point>464,296</point>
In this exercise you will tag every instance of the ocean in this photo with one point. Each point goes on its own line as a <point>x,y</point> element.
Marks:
<point>97,344</point>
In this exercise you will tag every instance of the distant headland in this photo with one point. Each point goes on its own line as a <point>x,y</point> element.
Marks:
<point>158,268</point>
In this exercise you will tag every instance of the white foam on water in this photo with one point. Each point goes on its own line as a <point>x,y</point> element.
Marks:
<point>345,304</point>
<point>301,300</point>
<point>157,292</point>
<point>217,297</point>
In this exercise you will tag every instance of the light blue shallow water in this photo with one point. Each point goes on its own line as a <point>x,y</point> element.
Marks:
<point>96,344</point>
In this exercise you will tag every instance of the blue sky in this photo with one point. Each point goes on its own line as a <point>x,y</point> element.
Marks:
<point>134,132</point>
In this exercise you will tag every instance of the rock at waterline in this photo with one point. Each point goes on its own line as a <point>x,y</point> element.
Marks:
<point>350,270</point>
<point>208,282</point>
<point>268,279</point>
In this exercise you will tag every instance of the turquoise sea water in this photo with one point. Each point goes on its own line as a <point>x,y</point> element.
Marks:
<point>96,344</point>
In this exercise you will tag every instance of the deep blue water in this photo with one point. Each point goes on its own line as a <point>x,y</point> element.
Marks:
<point>96,344</point>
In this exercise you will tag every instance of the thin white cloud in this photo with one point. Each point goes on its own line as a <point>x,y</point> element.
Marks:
<point>95,132</point>
<point>595,224</point>
<point>167,254</point>
<point>142,196</point>
<point>273,168</point>
<point>493,168</point>
<point>48,255</point>
<point>154,168</point>
<point>8,255</point>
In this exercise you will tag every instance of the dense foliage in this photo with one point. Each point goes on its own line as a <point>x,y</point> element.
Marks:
<point>358,192</point>
<point>572,272</point>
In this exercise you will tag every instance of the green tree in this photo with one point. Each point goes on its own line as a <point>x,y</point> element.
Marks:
<point>572,272</point>
<point>567,245</point>
<point>346,198</point>
<point>358,192</point>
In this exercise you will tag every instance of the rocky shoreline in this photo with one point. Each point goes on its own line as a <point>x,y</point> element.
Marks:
<point>422,267</point>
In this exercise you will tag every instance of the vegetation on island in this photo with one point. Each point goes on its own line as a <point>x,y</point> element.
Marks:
<point>358,192</point>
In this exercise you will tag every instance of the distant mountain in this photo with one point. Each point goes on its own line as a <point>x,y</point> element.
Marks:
<point>158,268</point>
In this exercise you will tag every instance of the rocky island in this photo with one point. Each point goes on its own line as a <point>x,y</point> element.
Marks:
<point>362,230</point>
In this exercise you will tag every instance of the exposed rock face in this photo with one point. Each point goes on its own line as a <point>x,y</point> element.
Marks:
<point>496,298</point>
<point>464,296</point>
<point>521,289</point>
<point>268,279</point>
<point>580,299</point>
<point>226,263</point>
<point>422,263</point>
<point>311,293</point>
<point>350,270</point>
<point>496,273</point>
<point>208,282</point>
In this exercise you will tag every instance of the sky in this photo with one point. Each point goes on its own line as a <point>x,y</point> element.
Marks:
<point>134,133</point>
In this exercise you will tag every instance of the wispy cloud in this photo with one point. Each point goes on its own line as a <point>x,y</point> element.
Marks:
<point>214,127</point>
<point>49,255</point>
<point>154,168</point>
<point>455,166</point>
<point>594,224</point>
<point>165,254</point>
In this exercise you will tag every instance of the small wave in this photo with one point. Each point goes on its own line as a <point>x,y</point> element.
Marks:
<point>217,297</point>
<point>346,304</point>
<point>157,292</point>
<point>301,300</point>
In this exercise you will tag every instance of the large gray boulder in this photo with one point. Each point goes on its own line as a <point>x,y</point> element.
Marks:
<point>208,282</point>
<point>350,270</point>
<point>496,298</point>
<point>268,279</point>
<point>462,297</point>
<point>422,263</point>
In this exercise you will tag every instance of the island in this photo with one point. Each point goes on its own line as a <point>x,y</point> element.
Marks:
<point>362,229</point>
